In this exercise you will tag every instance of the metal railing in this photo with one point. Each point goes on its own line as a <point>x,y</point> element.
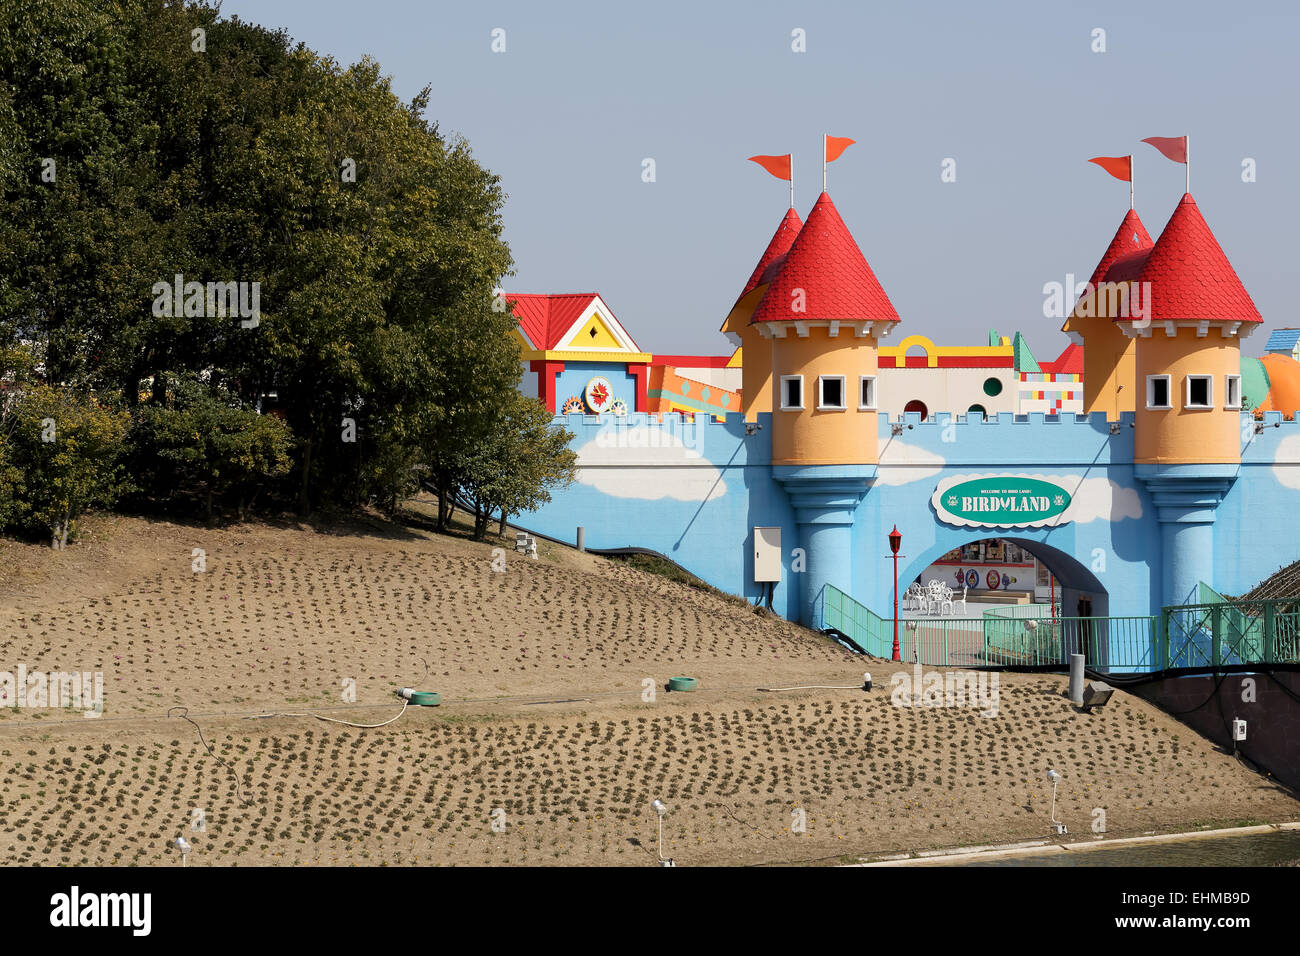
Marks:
<point>1194,635</point>
<point>1024,610</point>
<point>1231,632</point>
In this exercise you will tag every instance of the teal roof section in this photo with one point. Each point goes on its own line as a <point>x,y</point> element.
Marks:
<point>1254,382</point>
<point>1022,356</point>
<point>994,338</point>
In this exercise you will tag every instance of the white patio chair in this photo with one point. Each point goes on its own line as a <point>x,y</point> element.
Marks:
<point>934,597</point>
<point>961,600</point>
<point>912,597</point>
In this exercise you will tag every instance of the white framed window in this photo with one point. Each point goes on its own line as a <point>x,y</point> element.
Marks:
<point>1232,391</point>
<point>1198,391</point>
<point>1158,391</point>
<point>791,393</point>
<point>867,393</point>
<point>830,393</point>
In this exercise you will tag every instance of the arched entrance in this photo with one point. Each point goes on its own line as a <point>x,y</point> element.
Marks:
<point>1023,601</point>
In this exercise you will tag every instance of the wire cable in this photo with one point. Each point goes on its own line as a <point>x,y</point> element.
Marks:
<point>185,716</point>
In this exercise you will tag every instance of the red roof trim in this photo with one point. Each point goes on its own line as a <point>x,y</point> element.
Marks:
<point>948,361</point>
<point>692,361</point>
<point>1069,362</point>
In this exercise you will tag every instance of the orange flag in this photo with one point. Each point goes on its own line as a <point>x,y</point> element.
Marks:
<point>1173,147</point>
<point>778,166</point>
<point>835,145</point>
<point>1121,167</point>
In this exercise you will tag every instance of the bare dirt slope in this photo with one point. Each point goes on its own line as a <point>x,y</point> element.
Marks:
<point>282,615</point>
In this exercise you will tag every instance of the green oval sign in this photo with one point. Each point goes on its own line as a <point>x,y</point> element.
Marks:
<point>1000,501</point>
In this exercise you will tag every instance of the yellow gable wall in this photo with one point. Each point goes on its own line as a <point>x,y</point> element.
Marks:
<point>1179,434</point>
<point>602,338</point>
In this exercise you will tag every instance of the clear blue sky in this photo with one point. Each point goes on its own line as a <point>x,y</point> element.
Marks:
<point>1011,90</point>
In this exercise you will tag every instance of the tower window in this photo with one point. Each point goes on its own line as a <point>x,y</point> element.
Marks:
<point>1200,391</point>
<point>1232,391</point>
<point>992,387</point>
<point>830,393</point>
<point>791,393</point>
<point>1158,391</point>
<point>867,393</point>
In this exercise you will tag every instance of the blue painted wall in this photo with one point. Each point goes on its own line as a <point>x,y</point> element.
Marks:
<point>694,491</point>
<point>573,381</point>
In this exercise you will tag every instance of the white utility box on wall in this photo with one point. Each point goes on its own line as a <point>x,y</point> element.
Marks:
<point>767,554</point>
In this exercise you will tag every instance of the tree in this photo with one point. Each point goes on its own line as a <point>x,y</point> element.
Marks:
<point>212,441</point>
<point>67,448</point>
<point>520,460</point>
<point>374,240</point>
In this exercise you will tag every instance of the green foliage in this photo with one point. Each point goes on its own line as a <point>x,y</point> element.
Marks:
<point>211,441</point>
<point>60,454</point>
<point>127,158</point>
<point>518,460</point>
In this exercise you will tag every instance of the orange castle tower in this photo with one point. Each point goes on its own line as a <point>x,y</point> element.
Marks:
<point>822,314</point>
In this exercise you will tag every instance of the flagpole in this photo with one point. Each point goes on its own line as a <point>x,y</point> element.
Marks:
<point>823,162</point>
<point>792,180</point>
<point>1187,162</point>
<point>1130,182</point>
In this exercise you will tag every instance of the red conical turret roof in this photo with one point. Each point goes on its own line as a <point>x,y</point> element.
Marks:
<point>776,249</point>
<point>1191,279</point>
<point>827,265</point>
<point>1130,240</point>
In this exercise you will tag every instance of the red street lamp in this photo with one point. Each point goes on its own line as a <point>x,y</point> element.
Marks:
<point>895,542</point>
